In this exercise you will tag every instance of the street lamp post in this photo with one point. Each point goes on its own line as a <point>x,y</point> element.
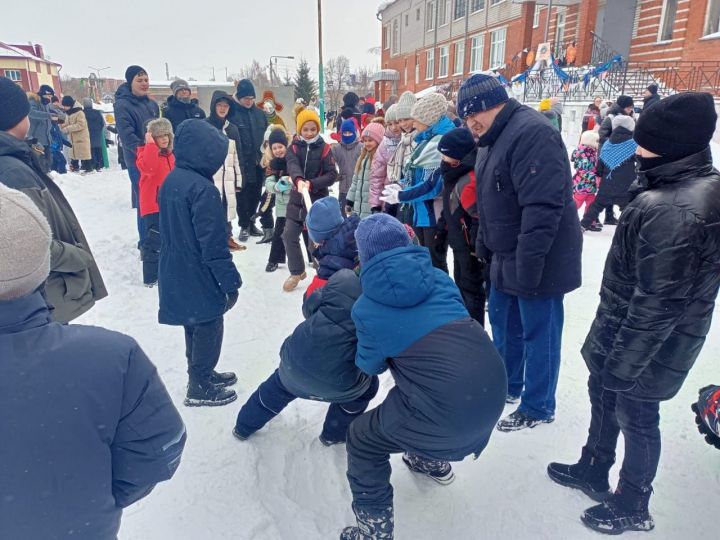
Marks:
<point>98,70</point>
<point>271,65</point>
<point>321,74</point>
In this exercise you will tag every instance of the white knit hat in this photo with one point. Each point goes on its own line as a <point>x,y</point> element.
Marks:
<point>622,120</point>
<point>590,138</point>
<point>391,114</point>
<point>405,105</point>
<point>24,245</point>
<point>430,109</point>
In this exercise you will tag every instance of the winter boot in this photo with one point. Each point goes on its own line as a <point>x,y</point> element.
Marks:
<point>227,378</point>
<point>519,420</point>
<point>625,510</point>
<point>271,267</point>
<point>234,246</point>
<point>370,526</point>
<point>292,282</point>
<point>209,395</point>
<point>267,236</point>
<point>328,442</point>
<point>589,475</point>
<point>254,231</point>
<point>511,400</point>
<point>436,469</point>
<point>244,234</point>
<point>239,435</point>
<point>592,227</point>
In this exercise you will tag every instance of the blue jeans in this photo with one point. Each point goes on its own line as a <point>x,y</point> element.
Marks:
<point>639,421</point>
<point>528,334</point>
<point>134,174</point>
<point>272,397</point>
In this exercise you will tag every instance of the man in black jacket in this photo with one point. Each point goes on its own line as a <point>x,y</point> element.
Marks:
<point>96,124</point>
<point>529,222</point>
<point>656,303</point>
<point>180,106</point>
<point>251,123</point>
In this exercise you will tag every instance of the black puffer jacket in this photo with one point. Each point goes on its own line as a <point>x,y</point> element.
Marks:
<point>318,360</point>
<point>660,281</point>
<point>251,123</point>
<point>176,111</point>
<point>313,162</point>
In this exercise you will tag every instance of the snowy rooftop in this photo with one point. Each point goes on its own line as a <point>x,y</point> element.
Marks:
<point>8,51</point>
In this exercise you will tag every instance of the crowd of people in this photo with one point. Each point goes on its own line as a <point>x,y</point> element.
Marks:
<point>487,177</point>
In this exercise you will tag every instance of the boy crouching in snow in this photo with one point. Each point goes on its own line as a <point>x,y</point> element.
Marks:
<point>450,382</point>
<point>318,360</point>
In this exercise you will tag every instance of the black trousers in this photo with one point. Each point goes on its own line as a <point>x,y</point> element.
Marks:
<point>202,349</point>
<point>639,421</point>
<point>437,243</point>
<point>97,158</point>
<point>468,276</point>
<point>292,232</point>
<point>277,247</point>
<point>87,165</point>
<point>150,248</point>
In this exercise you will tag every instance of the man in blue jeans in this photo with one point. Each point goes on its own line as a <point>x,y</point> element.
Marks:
<point>529,223</point>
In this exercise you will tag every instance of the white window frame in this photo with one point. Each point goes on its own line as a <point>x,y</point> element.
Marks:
<point>388,36</point>
<point>443,61</point>
<point>477,58</point>
<point>417,71</point>
<point>444,15</point>
<point>561,15</point>
<point>474,3</point>
<point>494,45</point>
<point>708,19</point>
<point>9,73</point>
<point>429,64</point>
<point>536,16</point>
<point>454,11</point>
<point>496,2</point>
<point>395,46</point>
<point>663,19</point>
<point>430,17</point>
<point>459,45</point>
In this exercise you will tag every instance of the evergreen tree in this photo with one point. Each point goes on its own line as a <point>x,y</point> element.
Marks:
<point>305,87</point>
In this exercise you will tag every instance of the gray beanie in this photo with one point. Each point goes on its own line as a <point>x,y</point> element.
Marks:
<point>87,103</point>
<point>177,85</point>
<point>405,105</point>
<point>622,120</point>
<point>430,109</point>
<point>24,245</point>
<point>391,114</point>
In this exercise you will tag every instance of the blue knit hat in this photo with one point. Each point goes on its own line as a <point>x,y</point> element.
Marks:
<point>323,219</point>
<point>456,143</point>
<point>378,233</point>
<point>480,93</point>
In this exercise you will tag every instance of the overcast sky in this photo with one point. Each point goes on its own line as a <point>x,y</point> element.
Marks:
<point>191,36</point>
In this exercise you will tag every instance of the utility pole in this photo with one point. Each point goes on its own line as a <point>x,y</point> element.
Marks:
<point>213,68</point>
<point>167,72</point>
<point>321,75</point>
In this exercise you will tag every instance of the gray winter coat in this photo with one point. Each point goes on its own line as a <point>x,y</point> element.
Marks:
<point>40,121</point>
<point>359,192</point>
<point>346,156</point>
<point>75,282</point>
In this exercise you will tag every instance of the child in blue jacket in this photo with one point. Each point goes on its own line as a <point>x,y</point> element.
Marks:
<point>450,382</point>
<point>318,360</point>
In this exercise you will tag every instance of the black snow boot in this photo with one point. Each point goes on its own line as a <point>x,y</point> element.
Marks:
<point>267,236</point>
<point>271,267</point>
<point>227,378</point>
<point>435,469</point>
<point>370,526</point>
<point>244,234</point>
<point>208,395</point>
<point>254,231</point>
<point>625,510</point>
<point>589,475</point>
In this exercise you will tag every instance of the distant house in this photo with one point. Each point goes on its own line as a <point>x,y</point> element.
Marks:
<point>27,66</point>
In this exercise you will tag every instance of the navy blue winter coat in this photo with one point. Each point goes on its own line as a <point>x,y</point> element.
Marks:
<point>318,360</point>
<point>528,218</point>
<point>450,381</point>
<point>196,271</point>
<point>132,113</point>
<point>340,250</point>
<point>87,427</point>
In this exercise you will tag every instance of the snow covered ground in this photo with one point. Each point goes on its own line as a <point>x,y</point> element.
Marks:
<point>284,485</point>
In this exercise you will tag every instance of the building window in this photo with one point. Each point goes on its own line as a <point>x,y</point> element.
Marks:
<point>476,52</point>
<point>430,17</point>
<point>417,14</point>
<point>459,58</point>
<point>407,19</point>
<point>667,20</point>
<point>536,16</point>
<point>430,64</point>
<point>477,5</point>
<point>386,38</point>
<point>395,37</point>
<point>497,48</point>
<point>560,28</point>
<point>460,9</point>
<point>444,59</point>
<point>13,75</point>
<point>443,10</point>
<point>417,70</point>
<point>496,2</point>
<point>712,26</point>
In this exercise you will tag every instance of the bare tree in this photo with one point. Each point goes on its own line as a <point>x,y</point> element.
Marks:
<point>255,73</point>
<point>287,79</point>
<point>362,81</point>
<point>337,74</point>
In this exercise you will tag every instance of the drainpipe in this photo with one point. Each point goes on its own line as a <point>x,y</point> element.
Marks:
<point>435,59</point>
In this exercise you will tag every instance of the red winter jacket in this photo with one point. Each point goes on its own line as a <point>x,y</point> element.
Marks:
<point>154,166</point>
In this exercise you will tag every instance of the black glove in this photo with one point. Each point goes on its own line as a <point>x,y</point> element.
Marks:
<point>348,209</point>
<point>707,414</point>
<point>612,383</point>
<point>440,242</point>
<point>231,300</point>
